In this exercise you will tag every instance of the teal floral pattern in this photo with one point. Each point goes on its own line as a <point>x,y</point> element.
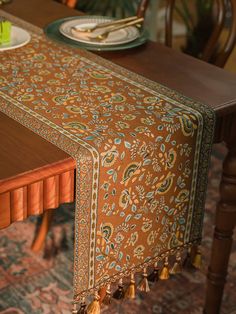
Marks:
<point>138,150</point>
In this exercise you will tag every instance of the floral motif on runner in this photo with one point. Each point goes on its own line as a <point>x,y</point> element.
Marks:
<point>142,154</point>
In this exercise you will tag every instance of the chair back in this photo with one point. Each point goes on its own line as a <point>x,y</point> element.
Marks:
<point>142,8</point>
<point>213,52</point>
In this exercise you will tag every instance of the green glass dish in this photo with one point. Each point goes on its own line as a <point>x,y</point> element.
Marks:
<point>52,31</point>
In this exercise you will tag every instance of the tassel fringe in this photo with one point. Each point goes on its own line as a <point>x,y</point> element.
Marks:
<point>119,293</point>
<point>177,267</point>
<point>154,276</point>
<point>193,258</point>
<point>197,259</point>
<point>130,292</point>
<point>144,286</point>
<point>165,274</point>
<point>94,307</point>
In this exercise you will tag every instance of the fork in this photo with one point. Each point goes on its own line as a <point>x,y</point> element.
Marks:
<point>104,35</point>
<point>104,24</point>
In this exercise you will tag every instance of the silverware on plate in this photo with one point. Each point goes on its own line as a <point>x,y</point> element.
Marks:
<point>103,25</point>
<point>103,36</point>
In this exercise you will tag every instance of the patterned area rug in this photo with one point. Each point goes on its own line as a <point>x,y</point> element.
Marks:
<point>42,283</point>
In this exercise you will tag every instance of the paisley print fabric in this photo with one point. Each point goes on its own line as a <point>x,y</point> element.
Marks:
<point>142,154</point>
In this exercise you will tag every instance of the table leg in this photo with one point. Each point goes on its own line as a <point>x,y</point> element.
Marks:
<point>43,231</point>
<point>224,228</point>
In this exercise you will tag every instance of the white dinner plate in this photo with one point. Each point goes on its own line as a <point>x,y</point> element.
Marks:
<point>19,38</point>
<point>119,37</point>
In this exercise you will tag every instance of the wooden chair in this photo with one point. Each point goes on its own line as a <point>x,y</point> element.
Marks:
<point>213,52</point>
<point>142,8</point>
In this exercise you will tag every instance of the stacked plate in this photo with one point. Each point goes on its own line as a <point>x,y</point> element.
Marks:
<point>70,31</point>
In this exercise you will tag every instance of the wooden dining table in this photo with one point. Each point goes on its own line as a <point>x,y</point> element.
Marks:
<point>36,176</point>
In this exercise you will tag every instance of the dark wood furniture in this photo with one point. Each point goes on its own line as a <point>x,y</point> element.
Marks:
<point>193,78</point>
<point>142,7</point>
<point>214,51</point>
<point>34,176</point>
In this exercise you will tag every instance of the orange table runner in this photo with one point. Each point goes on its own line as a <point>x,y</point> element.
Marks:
<point>142,154</point>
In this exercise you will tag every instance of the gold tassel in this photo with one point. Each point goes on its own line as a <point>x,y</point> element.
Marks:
<point>130,292</point>
<point>165,274</point>
<point>197,259</point>
<point>107,298</point>
<point>177,267</point>
<point>94,307</point>
<point>144,286</point>
<point>154,276</point>
<point>82,309</point>
<point>119,293</point>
